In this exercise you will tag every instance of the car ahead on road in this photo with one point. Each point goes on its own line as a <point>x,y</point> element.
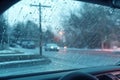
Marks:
<point>51,47</point>
<point>86,26</point>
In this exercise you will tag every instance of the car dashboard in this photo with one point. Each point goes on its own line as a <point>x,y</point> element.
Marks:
<point>101,73</point>
<point>109,76</point>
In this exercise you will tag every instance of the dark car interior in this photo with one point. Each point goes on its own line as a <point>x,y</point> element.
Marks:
<point>93,73</point>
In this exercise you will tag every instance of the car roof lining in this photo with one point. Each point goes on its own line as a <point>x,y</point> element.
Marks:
<point>100,2</point>
<point>5,4</point>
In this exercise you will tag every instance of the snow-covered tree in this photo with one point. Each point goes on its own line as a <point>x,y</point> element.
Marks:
<point>90,26</point>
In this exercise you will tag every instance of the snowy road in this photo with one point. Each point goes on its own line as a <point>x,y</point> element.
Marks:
<point>67,59</point>
<point>85,58</point>
<point>79,57</point>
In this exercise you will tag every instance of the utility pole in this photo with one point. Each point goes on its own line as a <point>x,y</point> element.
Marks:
<point>40,25</point>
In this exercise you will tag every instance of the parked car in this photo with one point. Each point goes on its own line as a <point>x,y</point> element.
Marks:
<point>28,44</point>
<point>12,45</point>
<point>51,47</point>
<point>18,42</point>
<point>31,45</point>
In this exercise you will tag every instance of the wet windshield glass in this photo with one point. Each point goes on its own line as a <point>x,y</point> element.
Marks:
<point>50,35</point>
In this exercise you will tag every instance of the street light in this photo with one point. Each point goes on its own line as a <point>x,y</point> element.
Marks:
<point>61,33</point>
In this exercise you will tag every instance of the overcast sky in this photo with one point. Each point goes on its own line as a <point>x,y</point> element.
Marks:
<point>22,11</point>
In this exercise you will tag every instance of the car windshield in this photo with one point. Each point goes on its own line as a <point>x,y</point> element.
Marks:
<point>88,35</point>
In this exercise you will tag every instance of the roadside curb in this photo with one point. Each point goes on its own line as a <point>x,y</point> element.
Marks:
<point>18,57</point>
<point>23,63</point>
<point>89,51</point>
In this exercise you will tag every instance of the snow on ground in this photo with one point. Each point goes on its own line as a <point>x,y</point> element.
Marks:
<point>54,66</point>
<point>6,51</point>
<point>26,51</point>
